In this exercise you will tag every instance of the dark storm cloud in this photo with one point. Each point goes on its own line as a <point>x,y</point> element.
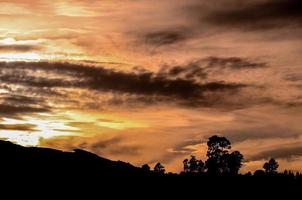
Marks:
<point>108,80</point>
<point>19,48</point>
<point>278,153</point>
<point>258,15</point>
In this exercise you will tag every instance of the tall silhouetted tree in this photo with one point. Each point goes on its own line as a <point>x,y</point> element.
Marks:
<point>271,166</point>
<point>235,162</point>
<point>220,160</point>
<point>201,166</point>
<point>218,148</point>
<point>193,164</point>
<point>159,168</point>
<point>186,165</point>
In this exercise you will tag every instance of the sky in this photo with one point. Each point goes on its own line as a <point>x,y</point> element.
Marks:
<point>146,81</point>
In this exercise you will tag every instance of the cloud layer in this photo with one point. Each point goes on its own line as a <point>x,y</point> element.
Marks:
<point>148,81</point>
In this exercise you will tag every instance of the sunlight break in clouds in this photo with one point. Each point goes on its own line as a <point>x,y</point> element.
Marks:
<point>45,129</point>
<point>10,44</point>
<point>20,56</point>
<point>73,10</point>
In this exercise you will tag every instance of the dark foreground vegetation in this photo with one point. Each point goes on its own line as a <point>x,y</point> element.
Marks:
<point>84,169</point>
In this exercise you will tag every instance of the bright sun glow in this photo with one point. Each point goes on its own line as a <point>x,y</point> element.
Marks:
<point>52,127</point>
<point>14,56</point>
<point>44,129</point>
<point>106,120</point>
<point>20,57</point>
<point>8,41</point>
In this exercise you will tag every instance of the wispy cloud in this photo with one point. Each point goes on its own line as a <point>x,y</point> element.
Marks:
<point>259,15</point>
<point>107,80</point>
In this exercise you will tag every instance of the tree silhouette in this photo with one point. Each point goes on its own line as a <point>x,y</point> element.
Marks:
<point>220,160</point>
<point>193,165</point>
<point>271,166</point>
<point>201,166</point>
<point>235,162</point>
<point>186,165</point>
<point>159,168</point>
<point>218,148</point>
<point>146,168</point>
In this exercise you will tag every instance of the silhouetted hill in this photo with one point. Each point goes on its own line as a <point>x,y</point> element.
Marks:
<point>27,167</point>
<point>45,160</point>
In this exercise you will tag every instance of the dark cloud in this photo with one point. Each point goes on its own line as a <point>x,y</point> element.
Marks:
<point>15,105</point>
<point>19,48</point>
<point>192,70</point>
<point>138,101</point>
<point>258,15</point>
<point>18,127</point>
<point>279,153</point>
<point>296,77</point>
<point>12,110</point>
<point>21,100</point>
<point>27,78</point>
<point>232,63</point>
<point>199,69</point>
<point>167,37</point>
<point>125,150</point>
<point>113,146</point>
<point>105,143</point>
<point>264,132</point>
<point>108,80</point>
<point>183,148</point>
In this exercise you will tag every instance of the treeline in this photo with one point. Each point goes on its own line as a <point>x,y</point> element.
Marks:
<point>222,161</point>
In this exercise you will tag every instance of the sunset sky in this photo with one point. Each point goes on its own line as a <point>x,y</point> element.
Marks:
<point>148,80</point>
